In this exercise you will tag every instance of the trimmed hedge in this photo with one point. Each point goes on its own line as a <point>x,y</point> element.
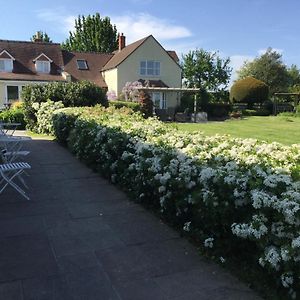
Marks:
<point>135,106</point>
<point>72,94</point>
<point>249,90</point>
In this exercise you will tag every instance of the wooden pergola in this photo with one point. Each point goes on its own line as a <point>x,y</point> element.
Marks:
<point>295,96</point>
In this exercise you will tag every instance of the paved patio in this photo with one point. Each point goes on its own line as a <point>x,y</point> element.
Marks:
<point>80,238</point>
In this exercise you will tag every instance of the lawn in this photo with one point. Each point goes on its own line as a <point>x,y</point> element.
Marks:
<point>285,130</point>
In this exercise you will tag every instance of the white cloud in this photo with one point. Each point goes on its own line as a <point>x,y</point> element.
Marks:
<point>64,23</point>
<point>137,26</point>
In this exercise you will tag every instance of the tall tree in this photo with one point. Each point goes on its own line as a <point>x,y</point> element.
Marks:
<point>92,33</point>
<point>42,36</point>
<point>268,68</point>
<point>206,70</point>
<point>294,79</point>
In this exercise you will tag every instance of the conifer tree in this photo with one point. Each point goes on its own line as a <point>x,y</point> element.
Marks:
<point>92,33</point>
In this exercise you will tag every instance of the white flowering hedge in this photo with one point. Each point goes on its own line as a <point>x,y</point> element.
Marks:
<point>236,194</point>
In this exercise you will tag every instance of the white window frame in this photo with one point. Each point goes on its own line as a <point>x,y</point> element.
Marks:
<point>19,91</point>
<point>161,98</point>
<point>155,68</point>
<point>7,64</point>
<point>43,66</point>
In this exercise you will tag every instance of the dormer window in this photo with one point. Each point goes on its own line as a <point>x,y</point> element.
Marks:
<point>6,65</point>
<point>43,63</point>
<point>6,62</point>
<point>82,64</point>
<point>42,66</point>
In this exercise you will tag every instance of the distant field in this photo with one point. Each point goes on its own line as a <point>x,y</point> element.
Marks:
<point>284,130</point>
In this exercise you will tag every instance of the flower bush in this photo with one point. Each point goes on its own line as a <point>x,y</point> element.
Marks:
<point>43,113</point>
<point>72,94</point>
<point>231,194</point>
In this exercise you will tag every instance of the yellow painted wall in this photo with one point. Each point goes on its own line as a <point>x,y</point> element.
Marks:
<point>111,79</point>
<point>170,72</point>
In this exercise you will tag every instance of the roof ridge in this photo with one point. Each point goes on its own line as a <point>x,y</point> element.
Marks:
<point>89,52</point>
<point>29,42</point>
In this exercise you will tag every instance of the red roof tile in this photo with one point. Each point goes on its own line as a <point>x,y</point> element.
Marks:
<point>95,62</point>
<point>24,54</point>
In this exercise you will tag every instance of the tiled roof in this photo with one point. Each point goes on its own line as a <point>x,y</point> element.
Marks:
<point>62,60</point>
<point>120,56</point>
<point>24,54</point>
<point>173,54</point>
<point>95,62</point>
<point>152,83</point>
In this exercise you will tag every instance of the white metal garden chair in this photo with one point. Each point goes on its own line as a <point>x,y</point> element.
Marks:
<point>9,172</point>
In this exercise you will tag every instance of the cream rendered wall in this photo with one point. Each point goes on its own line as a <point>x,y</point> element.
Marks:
<point>170,72</point>
<point>111,79</point>
<point>2,94</point>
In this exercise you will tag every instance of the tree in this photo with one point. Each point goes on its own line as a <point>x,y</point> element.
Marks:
<point>92,33</point>
<point>42,36</point>
<point>268,68</point>
<point>206,70</point>
<point>294,79</point>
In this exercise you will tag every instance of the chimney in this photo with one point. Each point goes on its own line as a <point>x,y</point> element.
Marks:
<point>121,41</point>
<point>38,37</point>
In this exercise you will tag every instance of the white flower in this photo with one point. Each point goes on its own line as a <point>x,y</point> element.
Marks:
<point>287,280</point>
<point>222,259</point>
<point>161,189</point>
<point>209,242</point>
<point>187,226</point>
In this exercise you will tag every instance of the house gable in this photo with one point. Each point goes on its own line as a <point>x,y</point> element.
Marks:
<point>149,50</point>
<point>6,55</point>
<point>42,57</point>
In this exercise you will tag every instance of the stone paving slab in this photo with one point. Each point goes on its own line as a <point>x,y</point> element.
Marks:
<point>79,237</point>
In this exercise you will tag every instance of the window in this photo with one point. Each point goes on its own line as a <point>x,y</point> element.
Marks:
<point>42,66</point>
<point>159,100</point>
<point>81,64</point>
<point>12,93</point>
<point>6,65</point>
<point>150,68</point>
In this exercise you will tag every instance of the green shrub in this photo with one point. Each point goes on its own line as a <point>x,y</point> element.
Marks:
<point>13,115</point>
<point>249,90</point>
<point>82,93</point>
<point>135,106</point>
<point>146,104</point>
<point>218,110</point>
<point>63,121</point>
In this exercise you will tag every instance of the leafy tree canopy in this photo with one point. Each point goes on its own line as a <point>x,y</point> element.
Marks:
<point>206,70</point>
<point>43,36</point>
<point>294,77</point>
<point>92,33</point>
<point>270,69</point>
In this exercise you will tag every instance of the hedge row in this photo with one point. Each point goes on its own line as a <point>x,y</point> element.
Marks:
<point>72,94</point>
<point>235,196</point>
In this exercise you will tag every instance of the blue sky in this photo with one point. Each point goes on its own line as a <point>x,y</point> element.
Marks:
<point>239,29</point>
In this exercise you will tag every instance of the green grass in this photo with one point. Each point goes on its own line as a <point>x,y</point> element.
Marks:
<point>285,130</point>
<point>35,135</point>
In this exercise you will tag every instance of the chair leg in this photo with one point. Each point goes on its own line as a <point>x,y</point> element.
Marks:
<point>9,181</point>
